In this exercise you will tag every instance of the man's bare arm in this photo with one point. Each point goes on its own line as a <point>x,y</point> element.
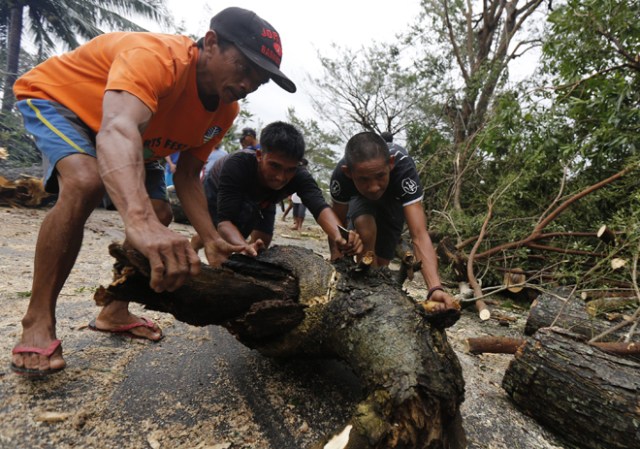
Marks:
<point>417,223</point>
<point>121,167</point>
<point>339,212</point>
<point>194,203</point>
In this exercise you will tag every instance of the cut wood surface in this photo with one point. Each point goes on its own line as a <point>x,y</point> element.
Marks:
<point>411,378</point>
<point>589,397</point>
<point>606,235</point>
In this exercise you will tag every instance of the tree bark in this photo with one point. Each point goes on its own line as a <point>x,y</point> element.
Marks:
<point>304,307</point>
<point>574,316</point>
<point>506,345</point>
<point>493,345</point>
<point>585,395</point>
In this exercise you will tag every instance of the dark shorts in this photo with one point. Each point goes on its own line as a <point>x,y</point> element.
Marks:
<point>389,216</point>
<point>299,210</point>
<point>59,133</point>
<point>250,218</point>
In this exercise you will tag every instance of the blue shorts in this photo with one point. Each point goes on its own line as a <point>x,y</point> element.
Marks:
<point>59,133</point>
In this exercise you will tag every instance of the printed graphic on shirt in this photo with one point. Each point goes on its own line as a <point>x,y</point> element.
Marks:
<point>409,186</point>
<point>335,188</point>
<point>211,133</point>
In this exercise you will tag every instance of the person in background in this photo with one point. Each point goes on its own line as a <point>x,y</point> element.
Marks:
<point>299,212</point>
<point>244,187</point>
<point>299,209</point>
<point>388,137</point>
<point>104,115</point>
<point>248,139</point>
<point>379,190</point>
<point>216,154</point>
<point>170,168</point>
<point>287,209</point>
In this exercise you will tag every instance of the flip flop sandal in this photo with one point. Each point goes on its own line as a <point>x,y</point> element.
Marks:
<point>125,331</point>
<point>35,373</point>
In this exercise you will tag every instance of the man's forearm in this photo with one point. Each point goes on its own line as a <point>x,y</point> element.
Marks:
<point>427,254</point>
<point>329,223</point>
<point>230,233</point>
<point>194,203</point>
<point>119,155</point>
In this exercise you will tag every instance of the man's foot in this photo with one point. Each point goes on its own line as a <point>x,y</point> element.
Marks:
<point>136,327</point>
<point>35,362</point>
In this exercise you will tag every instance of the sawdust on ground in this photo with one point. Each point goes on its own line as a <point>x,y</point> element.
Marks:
<point>199,388</point>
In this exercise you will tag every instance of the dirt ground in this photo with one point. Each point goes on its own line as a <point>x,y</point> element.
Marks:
<point>199,388</point>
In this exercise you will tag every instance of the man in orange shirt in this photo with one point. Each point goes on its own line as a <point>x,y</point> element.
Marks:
<point>103,115</point>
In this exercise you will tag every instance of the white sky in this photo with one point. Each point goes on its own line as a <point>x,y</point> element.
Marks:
<point>306,27</point>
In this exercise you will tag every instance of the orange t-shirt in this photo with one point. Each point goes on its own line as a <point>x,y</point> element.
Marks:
<point>159,69</point>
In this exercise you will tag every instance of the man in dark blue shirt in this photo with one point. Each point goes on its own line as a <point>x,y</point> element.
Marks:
<point>243,188</point>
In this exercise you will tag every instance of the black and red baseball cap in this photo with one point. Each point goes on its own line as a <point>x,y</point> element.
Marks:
<point>255,38</point>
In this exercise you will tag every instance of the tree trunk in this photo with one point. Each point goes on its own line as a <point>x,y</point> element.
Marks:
<point>587,396</point>
<point>574,317</point>
<point>291,303</point>
<point>13,55</point>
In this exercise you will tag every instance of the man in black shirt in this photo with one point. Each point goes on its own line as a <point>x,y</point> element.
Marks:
<point>243,188</point>
<point>379,190</point>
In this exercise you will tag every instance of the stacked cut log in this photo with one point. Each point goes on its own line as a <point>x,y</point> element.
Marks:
<point>572,314</point>
<point>587,396</point>
<point>292,303</point>
<point>588,393</point>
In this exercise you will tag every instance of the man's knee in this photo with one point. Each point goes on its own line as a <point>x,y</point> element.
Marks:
<point>163,211</point>
<point>83,189</point>
<point>366,226</point>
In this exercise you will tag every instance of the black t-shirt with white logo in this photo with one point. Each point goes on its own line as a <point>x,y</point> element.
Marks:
<point>404,183</point>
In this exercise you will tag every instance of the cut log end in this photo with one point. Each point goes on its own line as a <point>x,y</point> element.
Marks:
<point>514,280</point>
<point>606,235</point>
<point>483,311</point>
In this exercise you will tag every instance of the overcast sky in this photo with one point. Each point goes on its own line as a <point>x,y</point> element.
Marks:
<point>306,27</point>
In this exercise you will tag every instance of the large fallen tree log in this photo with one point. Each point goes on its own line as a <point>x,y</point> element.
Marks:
<point>589,397</point>
<point>291,303</point>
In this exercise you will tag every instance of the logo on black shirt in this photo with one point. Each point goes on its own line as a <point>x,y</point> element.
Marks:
<point>211,133</point>
<point>335,188</point>
<point>409,186</point>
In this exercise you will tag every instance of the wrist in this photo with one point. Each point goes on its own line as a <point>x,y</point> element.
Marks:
<point>434,289</point>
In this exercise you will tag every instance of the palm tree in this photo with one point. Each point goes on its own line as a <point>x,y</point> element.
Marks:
<point>65,21</point>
